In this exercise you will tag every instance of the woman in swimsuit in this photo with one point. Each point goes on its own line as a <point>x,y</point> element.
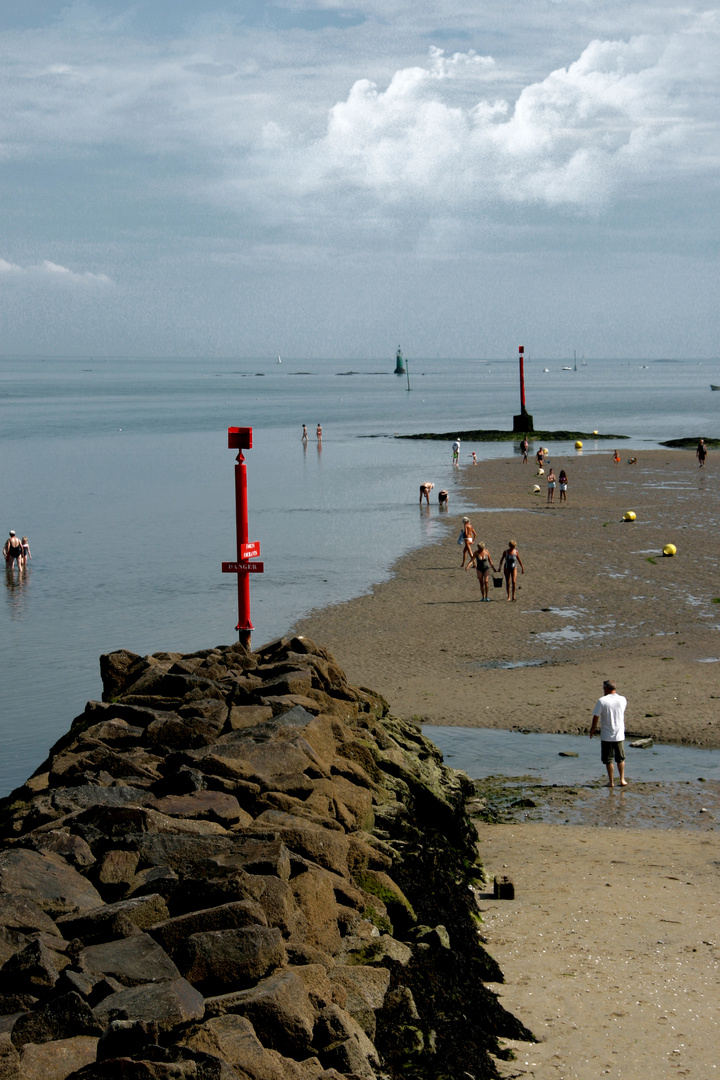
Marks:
<point>511,559</point>
<point>13,550</point>
<point>551,485</point>
<point>483,561</point>
<point>562,484</point>
<point>468,535</point>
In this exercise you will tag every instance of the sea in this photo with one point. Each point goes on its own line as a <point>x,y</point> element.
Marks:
<point>118,471</point>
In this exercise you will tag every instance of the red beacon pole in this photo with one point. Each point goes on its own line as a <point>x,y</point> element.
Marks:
<point>523,421</point>
<point>241,439</point>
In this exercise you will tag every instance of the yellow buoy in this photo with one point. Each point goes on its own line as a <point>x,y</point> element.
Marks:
<point>669,549</point>
<point>629,516</point>
<point>541,472</point>
<point>536,489</point>
<point>578,445</point>
<point>594,431</point>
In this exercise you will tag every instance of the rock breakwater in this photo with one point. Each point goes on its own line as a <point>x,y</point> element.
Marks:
<point>238,866</point>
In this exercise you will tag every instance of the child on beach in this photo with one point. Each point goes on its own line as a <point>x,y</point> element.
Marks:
<point>551,485</point>
<point>483,561</point>
<point>511,558</point>
<point>562,484</point>
<point>616,458</point>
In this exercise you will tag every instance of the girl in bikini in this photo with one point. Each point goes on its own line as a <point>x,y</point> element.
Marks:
<point>511,559</point>
<point>483,561</point>
<point>551,486</point>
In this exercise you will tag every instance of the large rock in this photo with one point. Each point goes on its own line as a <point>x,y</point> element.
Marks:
<point>121,919</point>
<point>56,1060</point>
<point>31,970</point>
<point>64,843</point>
<point>324,846</point>
<point>211,805</point>
<point>315,896</point>
<point>173,934</point>
<point>62,1018</point>
<point>169,1004</point>
<point>233,1039</point>
<point>9,1058</point>
<point>221,960</point>
<point>343,1045</point>
<point>365,989</point>
<point>279,1010</point>
<point>47,880</point>
<point>21,913</point>
<point>132,961</point>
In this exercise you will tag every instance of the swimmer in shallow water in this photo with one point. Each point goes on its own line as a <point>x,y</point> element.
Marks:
<point>13,551</point>
<point>425,490</point>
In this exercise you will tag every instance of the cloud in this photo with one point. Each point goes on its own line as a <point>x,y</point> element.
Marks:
<point>623,112</point>
<point>50,272</point>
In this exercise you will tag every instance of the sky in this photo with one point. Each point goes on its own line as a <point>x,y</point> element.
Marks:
<point>316,178</point>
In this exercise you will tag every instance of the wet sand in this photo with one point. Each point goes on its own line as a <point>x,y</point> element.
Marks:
<point>590,604</point>
<point>610,949</point>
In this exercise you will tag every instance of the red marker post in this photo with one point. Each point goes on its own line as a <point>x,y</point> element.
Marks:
<point>523,421</point>
<point>241,439</point>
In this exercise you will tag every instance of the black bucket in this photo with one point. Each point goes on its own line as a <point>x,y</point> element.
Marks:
<point>497,582</point>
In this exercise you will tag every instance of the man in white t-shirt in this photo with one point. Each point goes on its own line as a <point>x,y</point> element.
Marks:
<point>610,711</point>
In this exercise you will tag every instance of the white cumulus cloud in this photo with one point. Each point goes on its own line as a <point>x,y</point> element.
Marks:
<point>623,111</point>
<point>50,272</point>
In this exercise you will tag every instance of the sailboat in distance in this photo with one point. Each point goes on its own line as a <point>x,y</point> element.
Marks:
<point>279,360</point>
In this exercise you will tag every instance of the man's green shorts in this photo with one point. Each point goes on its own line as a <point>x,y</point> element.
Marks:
<point>612,750</point>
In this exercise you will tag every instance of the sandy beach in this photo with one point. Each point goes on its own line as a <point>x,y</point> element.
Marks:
<point>610,948</point>
<point>597,600</point>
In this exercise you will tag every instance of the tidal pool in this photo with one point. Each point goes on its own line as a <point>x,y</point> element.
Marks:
<point>482,752</point>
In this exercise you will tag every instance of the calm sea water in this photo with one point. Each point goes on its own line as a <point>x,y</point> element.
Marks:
<point>118,472</point>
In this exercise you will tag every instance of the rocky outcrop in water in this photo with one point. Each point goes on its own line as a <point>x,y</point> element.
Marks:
<point>238,866</point>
